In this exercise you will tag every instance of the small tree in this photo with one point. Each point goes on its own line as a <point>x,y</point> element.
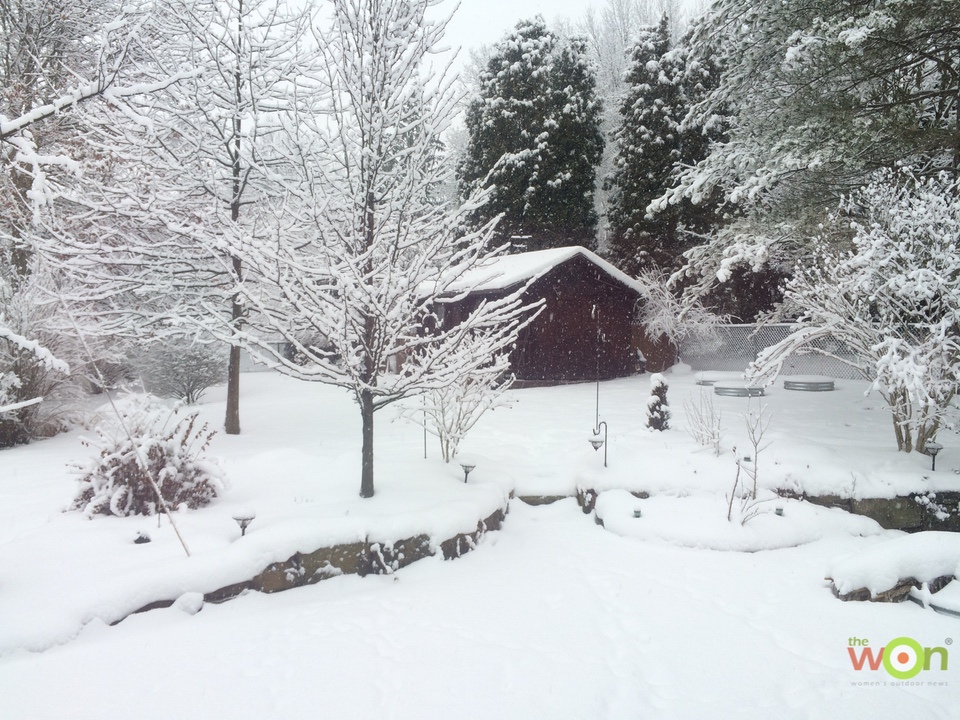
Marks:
<point>748,467</point>
<point>452,411</point>
<point>894,300</point>
<point>217,149</point>
<point>374,255</point>
<point>704,421</point>
<point>658,412</point>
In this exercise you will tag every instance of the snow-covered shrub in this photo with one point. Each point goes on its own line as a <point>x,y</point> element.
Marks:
<point>138,456</point>
<point>894,300</point>
<point>666,313</point>
<point>748,469</point>
<point>182,368</point>
<point>450,412</point>
<point>658,412</point>
<point>704,422</point>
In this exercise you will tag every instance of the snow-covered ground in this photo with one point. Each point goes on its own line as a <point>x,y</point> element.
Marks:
<point>674,614</point>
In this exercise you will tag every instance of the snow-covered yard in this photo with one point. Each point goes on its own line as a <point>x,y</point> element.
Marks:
<point>674,614</point>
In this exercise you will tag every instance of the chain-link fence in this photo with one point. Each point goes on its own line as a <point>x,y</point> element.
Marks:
<point>734,347</point>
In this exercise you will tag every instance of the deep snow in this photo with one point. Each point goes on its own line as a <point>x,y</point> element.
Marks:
<point>665,615</point>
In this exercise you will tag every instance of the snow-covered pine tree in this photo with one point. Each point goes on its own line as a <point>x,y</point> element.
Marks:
<point>658,411</point>
<point>654,140</point>
<point>535,140</point>
<point>819,95</point>
<point>377,255</point>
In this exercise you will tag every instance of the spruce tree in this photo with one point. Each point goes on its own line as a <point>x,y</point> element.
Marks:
<point>653,142</point>
<point>535,140</point>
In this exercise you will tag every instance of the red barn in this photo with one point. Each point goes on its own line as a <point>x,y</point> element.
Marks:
<point>585,329</point>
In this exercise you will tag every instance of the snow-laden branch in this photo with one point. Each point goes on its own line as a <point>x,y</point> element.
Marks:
<point>101,87</point>
<point>20,405</point>
<point>35,348</point>
<point>894,301</point>
<point>113,53</point>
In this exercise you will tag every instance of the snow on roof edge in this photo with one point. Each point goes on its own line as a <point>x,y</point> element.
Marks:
<point>506,271</point>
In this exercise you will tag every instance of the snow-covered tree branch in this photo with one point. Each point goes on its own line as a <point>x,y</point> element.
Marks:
<point>664,312</point>
<point>894,301</point>
<point>362,256</point>
<point>818,96</point>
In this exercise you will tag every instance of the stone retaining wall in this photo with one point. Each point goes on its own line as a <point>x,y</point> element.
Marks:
<point>359,558</point>
<point>912,513</point>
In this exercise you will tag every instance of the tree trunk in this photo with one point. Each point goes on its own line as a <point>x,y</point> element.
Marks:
<point>366,455</point>
<point>231,423</point>
<point>370,365</point>
<point>904,442</point>
<point>900,412</point>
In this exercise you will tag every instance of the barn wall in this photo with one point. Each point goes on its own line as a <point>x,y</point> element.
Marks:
<point>584,330</point>
<point>570,341</point>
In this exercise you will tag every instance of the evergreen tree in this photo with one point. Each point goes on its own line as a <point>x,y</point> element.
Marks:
<point>658,411</point>
<point>535,140</point>
<point>653,142</point>
<point>819,95</point>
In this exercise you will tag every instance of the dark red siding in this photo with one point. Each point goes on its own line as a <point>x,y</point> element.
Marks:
<point>583,332</point>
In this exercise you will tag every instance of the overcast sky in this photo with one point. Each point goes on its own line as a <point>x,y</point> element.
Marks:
<point>479,22</point>
<point>484,22</point>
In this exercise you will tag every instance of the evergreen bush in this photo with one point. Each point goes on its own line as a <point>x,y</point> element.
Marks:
<point>658,412</point>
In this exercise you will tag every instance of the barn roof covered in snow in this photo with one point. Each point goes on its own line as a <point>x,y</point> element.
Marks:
<point>507,271</point>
